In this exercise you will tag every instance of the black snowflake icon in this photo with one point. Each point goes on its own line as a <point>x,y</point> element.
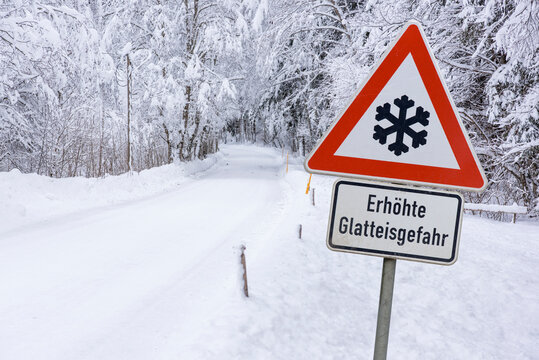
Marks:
<point>401,125</point>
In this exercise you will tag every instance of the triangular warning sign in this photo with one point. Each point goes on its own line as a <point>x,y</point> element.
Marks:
<point>402,126</point>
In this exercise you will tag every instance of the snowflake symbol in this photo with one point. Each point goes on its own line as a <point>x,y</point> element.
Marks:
<point>401,125</point>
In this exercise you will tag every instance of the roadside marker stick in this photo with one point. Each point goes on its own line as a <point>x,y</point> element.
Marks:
<point>244,265</point>
<point>287,162</point>
<point>384,309</point>
<point>308,184</point>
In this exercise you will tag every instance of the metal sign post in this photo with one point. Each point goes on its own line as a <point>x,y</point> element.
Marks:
<point>384,309</point>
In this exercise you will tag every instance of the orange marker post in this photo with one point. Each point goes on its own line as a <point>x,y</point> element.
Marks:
<point>308,184</point>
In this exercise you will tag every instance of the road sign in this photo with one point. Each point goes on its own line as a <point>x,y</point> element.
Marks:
<point>402,126</point>
<point>395,222</point>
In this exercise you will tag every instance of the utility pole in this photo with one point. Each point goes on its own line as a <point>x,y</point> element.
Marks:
<point>128,113</point>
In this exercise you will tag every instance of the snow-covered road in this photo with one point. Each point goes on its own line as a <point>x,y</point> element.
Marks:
<point>118,283</point>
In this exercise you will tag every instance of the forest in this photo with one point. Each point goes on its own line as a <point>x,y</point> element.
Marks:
<point>103,87</point>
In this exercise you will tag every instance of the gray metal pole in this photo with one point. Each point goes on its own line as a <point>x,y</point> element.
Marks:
<point>384,309</point>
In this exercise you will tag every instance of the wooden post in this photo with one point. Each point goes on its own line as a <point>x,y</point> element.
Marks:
<point>244,264</point>
<point>514,218</point>
<point>313,196</point>
<point>299,230</point>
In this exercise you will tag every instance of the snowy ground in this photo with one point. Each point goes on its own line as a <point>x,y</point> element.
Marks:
<point>147,267</point>
<point>30,198</point>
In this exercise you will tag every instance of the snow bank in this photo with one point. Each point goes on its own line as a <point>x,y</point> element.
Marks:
<point>27,198</point>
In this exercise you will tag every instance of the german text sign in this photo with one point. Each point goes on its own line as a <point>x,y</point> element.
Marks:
<point>395,221</point>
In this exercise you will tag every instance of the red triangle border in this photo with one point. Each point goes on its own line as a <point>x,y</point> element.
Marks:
<point>470,175</point>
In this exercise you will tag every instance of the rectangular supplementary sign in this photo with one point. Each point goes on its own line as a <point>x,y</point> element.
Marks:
<point>395,221</point>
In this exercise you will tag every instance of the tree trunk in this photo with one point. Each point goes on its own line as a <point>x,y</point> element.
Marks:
<point>190,148</point>
<point>169,144</point>
<point>186,109</point>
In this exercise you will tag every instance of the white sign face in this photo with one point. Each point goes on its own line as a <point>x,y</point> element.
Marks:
<point>360,143</point>
<point>395,221</point>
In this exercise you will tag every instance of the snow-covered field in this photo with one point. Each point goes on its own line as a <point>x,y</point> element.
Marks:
<point>146,266</point>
